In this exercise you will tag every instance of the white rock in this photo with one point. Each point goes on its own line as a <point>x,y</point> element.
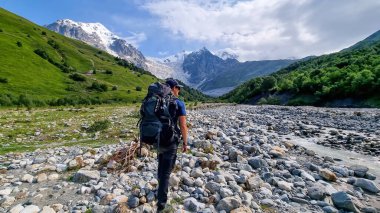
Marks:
<point>53,176</point>
<point>285,185</point>
<point>197,172</point>
<point>85,190</point>
<point>30,209</point>
<point>6,191</point>
<point>198,182</point>
<point>27,178</point>
<point>57,207</point>
<point>307,176</point>
<point>7,201</point>
<point>174,180</point>
<point>47,209</point>
<point>41,177</point>
<point>16,209</point>
<point>52,160</point>
<point>61,167</point>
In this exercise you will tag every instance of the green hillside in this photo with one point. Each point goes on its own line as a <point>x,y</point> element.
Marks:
<point>347,78</point>
<point>41,67</point>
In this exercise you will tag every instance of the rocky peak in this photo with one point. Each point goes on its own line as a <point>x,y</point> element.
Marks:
<point>97,35</point>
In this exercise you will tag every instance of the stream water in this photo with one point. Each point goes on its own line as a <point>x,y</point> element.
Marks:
<point>347,157</point>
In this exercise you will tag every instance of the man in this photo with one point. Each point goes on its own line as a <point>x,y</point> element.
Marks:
<point>168,155</point>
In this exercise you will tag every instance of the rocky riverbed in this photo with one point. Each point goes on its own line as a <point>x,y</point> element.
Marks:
<point>242,159</point>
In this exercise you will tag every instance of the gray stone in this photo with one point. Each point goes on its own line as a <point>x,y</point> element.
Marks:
<point>342,200</point>
<point>83,176</point>
<point>225,192</point>
<point>213,187</point>
<point>61,167</point>
<point>97,209</point>
<point>330,209</point>
<point>39,160</point>
<point>370,176</point>
<point>267,202</point>
<point>254,182</point>
<point>343,171</point>
<point>196,172</point>
<point>228,204</point>
<point>191,204</point>
<point>150,197</point>
<point>316,193</point>
<point>299,200</point>
<point>367,185</point>
<point>257,163</point>
<point>369,210</point>
<point>133,201</point>
<point>359,170</point>
<point>307,176</point>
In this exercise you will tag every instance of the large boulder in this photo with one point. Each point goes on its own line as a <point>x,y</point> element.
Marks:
<point>342,200</point>
<point>359,171</point>
<point>367,185</point>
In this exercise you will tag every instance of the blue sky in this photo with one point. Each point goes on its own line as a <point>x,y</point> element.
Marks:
<point>252,29</point>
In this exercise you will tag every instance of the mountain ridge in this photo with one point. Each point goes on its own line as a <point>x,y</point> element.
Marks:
<point>191,68</point>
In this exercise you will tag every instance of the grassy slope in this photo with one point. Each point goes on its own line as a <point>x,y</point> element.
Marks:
<point>350,74</point>
<point>29,74</point>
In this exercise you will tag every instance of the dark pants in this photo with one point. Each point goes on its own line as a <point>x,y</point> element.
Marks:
<point>166,161</point>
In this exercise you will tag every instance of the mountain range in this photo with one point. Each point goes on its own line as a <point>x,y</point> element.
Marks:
<point>213,74</point>
<point>39,67</point>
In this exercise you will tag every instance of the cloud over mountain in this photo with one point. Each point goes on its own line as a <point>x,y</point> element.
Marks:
<point>262,29</point>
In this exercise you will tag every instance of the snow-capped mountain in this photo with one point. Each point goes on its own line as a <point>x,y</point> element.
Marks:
<point>212,73</point>
<point>100,37</point>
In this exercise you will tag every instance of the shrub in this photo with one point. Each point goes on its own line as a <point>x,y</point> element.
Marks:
<point>1,30</point>
<point>109,72</point>
<point>98,87</point>
<point>77,77</point>
<point>3,80</point>
<point>52,43</point>
<point>5,100</point>
<point>43,33</point>
<point>19,44</point>
<point>99,126</point>
<point>138,88</point>
<point>23,100</point>
<point>41,53</point>
<point>114,88</point>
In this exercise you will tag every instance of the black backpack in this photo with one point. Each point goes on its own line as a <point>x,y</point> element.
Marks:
<point>157,112</point>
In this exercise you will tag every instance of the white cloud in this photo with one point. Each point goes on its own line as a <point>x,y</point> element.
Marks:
<point>269,29</point>
<point>135,38</point>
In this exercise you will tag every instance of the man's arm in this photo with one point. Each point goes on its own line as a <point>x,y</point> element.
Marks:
<point>183,127</point>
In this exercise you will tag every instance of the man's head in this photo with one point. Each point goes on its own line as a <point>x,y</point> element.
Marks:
<point>175,86</point>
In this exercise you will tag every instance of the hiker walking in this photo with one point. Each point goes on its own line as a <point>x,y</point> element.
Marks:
<point>163,121</point>
<point>168,155</point>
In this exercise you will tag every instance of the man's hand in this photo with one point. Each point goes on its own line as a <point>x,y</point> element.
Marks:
<point>184,147</point>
